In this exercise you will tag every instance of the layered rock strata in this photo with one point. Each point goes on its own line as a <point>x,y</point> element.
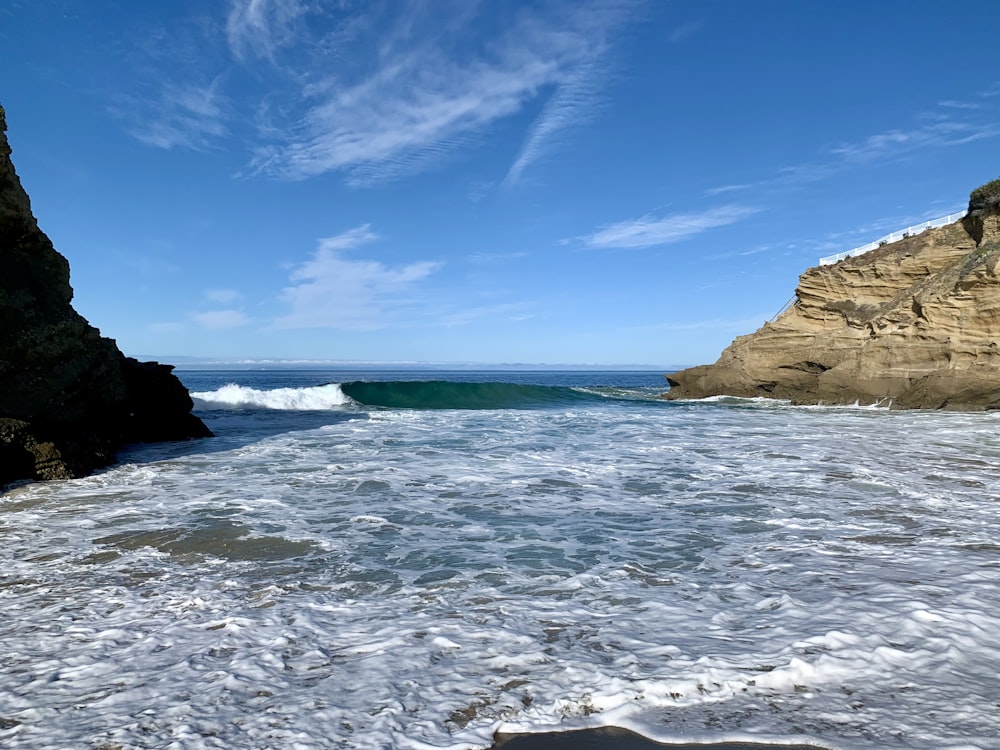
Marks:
<point>913,324</point>
<point>68,397</point>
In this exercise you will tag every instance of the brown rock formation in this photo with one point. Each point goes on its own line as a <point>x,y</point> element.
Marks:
<point>68,397</point>
<point>914,324</point>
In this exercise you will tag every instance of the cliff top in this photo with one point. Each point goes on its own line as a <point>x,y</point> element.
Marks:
<point>914,324</point>
<point>983,198</point>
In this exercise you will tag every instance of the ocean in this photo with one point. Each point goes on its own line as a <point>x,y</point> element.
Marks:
<point>417,560</point>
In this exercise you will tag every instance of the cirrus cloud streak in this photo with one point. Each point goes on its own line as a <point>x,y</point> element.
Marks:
<point>649,231</point>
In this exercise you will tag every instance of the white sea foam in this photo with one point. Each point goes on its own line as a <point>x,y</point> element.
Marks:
<point>316,398</point>
<point>421,579</point>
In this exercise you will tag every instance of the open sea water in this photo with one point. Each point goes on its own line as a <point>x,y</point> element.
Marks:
<point>364,560</point>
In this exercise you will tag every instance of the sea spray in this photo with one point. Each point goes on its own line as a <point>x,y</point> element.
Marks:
<point>231,395</point>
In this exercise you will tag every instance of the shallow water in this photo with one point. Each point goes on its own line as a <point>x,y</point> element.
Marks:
<point>332,574</point>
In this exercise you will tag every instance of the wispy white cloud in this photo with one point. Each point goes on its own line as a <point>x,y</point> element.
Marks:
<point>572,101</point>
<point>408,113</point>
<point>408,92</point>
<point>935,135</point>
<point>378,90</point>
<point>955,104</point>
<point>956,123</point>
<point>578,86</point>
<point>332,291</point>
<point>221,319</point>
<point>187,116</point>
<point>648,231</point>
<point>727,189</point>
<point>259,28</point>
<point>352,238</point>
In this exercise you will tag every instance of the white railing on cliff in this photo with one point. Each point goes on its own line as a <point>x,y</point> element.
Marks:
<point>894,237</point>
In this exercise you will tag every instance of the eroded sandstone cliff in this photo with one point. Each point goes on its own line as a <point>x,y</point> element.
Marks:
<point>68,397</point>
<point>913,324</point>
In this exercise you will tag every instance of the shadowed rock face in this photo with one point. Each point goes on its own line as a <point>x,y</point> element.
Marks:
<point>68,397</point>
<point>915,323</point>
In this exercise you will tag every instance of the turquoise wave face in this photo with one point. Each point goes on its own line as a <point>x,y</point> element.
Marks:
<point>444,394</point>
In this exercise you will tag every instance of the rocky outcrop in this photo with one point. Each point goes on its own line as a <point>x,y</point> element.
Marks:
<point>68,397</point>
<point>913,324</point>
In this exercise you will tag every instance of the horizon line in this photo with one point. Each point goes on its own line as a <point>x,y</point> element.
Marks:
<point>182,361</point>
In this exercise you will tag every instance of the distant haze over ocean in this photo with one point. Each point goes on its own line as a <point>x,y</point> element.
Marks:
<point>184,362</point>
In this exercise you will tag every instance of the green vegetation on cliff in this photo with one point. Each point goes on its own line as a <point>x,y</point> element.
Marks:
<point>984,196</point>
<point>983,201</point>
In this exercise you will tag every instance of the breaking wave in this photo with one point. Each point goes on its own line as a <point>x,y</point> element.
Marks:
<point>416,394</point>
<point>316,398</point>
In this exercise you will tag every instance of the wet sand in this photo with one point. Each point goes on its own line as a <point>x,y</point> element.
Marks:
<point>615,738</point>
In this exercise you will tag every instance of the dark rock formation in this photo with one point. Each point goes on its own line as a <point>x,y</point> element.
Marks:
<point>68,397</point>
<point>913,324</point>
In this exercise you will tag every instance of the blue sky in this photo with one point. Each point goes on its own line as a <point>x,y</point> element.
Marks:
<point>583,182</point>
